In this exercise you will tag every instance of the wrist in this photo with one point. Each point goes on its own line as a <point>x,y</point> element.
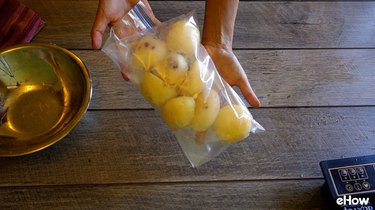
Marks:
<point>219,23</point>
<point>216,45</point>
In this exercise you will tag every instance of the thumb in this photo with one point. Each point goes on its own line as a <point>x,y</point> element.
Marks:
<point>98,29</point>
<point>248,93</point>
<point>244,84</point>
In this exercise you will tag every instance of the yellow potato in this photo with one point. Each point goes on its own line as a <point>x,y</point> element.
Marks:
<point>155,90</point>
<point>178,112</point>
<point>134,70</point>
<point>205,111</point>
<point>174,69</point>
<point>148,52</point>
<point>193,83</point>
<point>183,37</point>
<point>233,123</point>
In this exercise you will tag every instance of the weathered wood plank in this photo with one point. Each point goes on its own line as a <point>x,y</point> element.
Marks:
<point>293,194</point>
<point>259,24</point>
<point>279,78</point>
<point>136,147</point>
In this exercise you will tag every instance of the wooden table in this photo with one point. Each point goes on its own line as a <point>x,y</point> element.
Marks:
<point>312,64</point>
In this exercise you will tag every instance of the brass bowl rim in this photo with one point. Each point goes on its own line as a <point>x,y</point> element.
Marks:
<point>83,108</point>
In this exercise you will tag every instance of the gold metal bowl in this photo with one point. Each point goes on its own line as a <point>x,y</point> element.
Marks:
<point>44,92</point>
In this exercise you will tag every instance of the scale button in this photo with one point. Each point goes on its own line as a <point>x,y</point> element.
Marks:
<point>363,176</point>
<point>358,186</point>
<point>344,172</point>
<point>361,170</point>
<point>352,171</point>
<point>366,185</point>
<point>349,187</point>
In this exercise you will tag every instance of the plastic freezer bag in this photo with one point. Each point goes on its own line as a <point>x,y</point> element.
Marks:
<point>174,72</point>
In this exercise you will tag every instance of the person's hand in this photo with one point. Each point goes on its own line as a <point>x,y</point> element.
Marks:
<point>232,72</point>
<point>110,12</point>
<point>217,38</point>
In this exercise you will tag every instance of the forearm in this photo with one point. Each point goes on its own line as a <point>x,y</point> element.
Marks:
<point>219,23</point>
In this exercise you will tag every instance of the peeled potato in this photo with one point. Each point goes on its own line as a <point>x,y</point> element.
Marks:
<point>174,69</point>
<point>136,63</point>
<point>183,37</point>
<point>193,84</point>
<point>148,52</point>
<point>233,123</point>
<point>134,70</point>
<point>178,112</point>
<point>155,90</point>
<point>205,111</point>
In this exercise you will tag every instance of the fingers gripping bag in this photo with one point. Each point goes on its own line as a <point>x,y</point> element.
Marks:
<point>175,74</point>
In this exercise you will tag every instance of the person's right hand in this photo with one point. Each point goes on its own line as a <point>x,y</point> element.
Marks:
<point>109,12</point>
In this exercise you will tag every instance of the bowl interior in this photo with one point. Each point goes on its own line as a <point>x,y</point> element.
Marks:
<point>44,92</point>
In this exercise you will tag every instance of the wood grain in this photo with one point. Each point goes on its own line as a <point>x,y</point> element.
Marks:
<point>216,195</point>
<point>263,24</point>
<point>279,77</point>
<point>136,147</point>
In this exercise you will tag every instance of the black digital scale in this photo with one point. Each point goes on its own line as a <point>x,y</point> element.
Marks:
<point>350,183</point>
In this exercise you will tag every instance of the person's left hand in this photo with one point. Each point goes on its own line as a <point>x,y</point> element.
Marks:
<point>232,72</point>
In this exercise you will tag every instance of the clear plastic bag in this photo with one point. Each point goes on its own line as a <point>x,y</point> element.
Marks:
<point>177,76</point>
